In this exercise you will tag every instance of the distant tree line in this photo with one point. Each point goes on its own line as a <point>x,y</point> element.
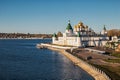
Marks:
<point>59,34</point>
<point>23,35</point>
<point>114,32</point>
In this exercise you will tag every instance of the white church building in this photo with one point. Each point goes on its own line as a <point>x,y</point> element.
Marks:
<point>80,35</point>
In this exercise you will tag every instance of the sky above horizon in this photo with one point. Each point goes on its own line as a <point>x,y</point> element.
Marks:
<point>51,16</point>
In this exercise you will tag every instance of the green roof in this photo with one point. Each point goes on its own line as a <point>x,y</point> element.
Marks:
<point>54,35</point>
<point>104,28</point>
<point>78,35</point>
<point>69,26</point>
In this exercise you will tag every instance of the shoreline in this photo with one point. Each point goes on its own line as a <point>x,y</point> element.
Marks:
<point>21,38</point>
<point>95,73</point>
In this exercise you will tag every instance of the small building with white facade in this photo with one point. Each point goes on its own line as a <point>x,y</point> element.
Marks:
<point>81,35</point>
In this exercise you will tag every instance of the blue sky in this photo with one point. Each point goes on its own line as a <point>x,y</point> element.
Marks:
<point>49,16</point>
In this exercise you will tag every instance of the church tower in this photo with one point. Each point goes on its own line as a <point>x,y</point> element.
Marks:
<point>104,31</point>
<point>54,38</point>
<point>69,28</point>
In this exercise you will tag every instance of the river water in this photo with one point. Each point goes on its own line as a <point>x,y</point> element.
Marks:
<point>21,60</point>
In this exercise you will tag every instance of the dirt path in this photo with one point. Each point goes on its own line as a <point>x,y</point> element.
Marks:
<point>96,57</point>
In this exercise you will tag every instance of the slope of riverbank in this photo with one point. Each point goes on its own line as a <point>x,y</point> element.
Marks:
<point>81,64</point>
<point>97,74</point>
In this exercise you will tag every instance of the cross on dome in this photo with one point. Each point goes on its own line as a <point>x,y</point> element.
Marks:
<point>68,21</point>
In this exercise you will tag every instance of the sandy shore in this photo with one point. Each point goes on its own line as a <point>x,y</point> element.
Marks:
<point>95,74</point>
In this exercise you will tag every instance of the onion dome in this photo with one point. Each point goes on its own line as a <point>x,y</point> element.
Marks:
<point>75,26</point>
<point>86,27</point>
<point>54,35</point>
<point>90,30</point>
<point>80,25</point>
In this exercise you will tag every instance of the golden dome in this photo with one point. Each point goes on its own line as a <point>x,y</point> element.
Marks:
<point>75,26</point>
<point>83,26</point>
<point>86,27</point>
<point>80,24</point>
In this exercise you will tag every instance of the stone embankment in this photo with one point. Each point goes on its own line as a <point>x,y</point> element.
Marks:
<point>96,73</point>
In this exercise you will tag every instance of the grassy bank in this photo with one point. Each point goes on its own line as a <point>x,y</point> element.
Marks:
<point>113,60</point>
<point>116,54</point>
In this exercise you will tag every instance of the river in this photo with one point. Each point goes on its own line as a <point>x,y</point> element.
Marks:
<point>21,60</point>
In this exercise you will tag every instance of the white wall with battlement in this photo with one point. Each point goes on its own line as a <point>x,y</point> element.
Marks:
<point>81,41</point>
<point>71,41</point>
<point>82,36</point>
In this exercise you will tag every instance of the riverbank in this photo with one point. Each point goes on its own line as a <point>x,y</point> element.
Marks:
<point>107,63</point>
<point>94,72</point>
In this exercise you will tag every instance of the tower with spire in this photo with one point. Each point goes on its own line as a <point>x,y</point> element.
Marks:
<point>69,28</point>
<point>104,31</point>
<point>54,38</point>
